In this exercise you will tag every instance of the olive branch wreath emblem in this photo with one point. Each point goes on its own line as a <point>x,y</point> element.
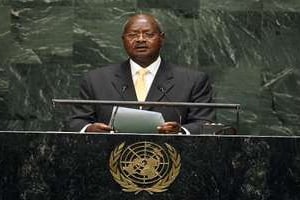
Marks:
<point>130,186</point>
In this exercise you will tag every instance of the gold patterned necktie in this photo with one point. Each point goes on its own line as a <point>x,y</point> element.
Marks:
<point>140,84</point>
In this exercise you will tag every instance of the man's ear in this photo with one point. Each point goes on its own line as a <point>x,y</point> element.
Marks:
<point>162,37</point>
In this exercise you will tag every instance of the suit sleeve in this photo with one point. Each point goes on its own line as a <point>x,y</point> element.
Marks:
<point>82,114</point>
<point>200,93</point>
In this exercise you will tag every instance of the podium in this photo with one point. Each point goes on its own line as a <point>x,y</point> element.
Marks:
<point>64,165</point>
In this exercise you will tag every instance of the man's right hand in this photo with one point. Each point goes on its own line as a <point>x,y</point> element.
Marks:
<point>98,127</point>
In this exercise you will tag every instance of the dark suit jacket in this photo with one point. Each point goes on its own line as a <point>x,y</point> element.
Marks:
<point>114,82</point>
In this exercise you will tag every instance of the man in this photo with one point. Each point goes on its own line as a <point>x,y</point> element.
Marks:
<point>142,39</point>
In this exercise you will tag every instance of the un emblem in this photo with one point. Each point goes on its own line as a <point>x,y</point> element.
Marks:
<point>144,166</point>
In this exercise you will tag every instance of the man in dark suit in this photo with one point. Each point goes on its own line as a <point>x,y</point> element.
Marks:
<point>142,39</point>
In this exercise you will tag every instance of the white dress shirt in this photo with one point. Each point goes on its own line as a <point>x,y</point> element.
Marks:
<point>149,77</point>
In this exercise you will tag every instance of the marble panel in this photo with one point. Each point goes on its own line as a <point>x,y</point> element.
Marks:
<point>27,94</point>
<point>188,9</point>
<point>117,4</point>
<point>4,45</point>
<point>34,3</point>
<point>280,71</point>
<point>281,5</point>
<point>228,44</point>
<point>45,31</point>
<point>3,93</point>
<point>4,31</point>
<point>97,34</point>
<point>5,19</point>
<point>232,5</point>
<point>169,4</point>
<point>4,2</point>
<point>10,50</point>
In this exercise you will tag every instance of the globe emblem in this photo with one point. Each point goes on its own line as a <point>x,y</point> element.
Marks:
<point>144,163</point>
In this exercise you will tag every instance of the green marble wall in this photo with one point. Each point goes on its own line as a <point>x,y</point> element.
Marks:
<point>249,47</point>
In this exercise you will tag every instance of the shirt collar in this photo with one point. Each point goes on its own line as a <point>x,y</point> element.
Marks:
<point>153,67</point>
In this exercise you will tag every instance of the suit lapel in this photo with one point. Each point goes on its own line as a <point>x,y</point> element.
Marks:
<point>123,83</point>
<point>162,83</point>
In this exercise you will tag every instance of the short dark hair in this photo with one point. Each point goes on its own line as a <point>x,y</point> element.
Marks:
<point>159,25</point>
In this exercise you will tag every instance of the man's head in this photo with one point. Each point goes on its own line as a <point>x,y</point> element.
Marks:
<point>143,38</point>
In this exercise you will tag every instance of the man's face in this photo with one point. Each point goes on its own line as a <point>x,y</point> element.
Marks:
<point>142,39</point>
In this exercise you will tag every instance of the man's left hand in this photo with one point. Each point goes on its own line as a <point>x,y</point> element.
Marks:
<point>169,128</point>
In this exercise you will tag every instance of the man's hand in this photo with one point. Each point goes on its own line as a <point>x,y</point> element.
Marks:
<point>169,128</point>
<point>98,127</point>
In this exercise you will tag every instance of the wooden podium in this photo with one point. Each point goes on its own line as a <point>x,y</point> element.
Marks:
<point>62,165</point>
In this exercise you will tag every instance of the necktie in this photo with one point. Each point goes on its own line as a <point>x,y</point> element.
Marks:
<point>140,84</point>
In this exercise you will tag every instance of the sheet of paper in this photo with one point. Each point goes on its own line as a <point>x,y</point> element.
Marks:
<point>129,120</point>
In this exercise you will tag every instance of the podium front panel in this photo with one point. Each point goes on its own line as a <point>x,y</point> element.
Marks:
<point>49,165</point>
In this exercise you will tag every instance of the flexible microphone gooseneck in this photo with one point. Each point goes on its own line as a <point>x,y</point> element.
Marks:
<point>164,92</point>
<point>123,89</point>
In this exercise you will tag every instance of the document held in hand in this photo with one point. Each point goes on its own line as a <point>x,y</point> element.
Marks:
<point>129,120</point>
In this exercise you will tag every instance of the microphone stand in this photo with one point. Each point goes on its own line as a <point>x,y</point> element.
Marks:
<point>146,103</point>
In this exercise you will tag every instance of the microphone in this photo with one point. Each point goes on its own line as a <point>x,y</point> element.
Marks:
<point>123,89</point>
<point>163,90</point>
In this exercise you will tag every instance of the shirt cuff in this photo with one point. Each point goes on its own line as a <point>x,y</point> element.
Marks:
<point>185,131</point>
<point>84,128</point>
